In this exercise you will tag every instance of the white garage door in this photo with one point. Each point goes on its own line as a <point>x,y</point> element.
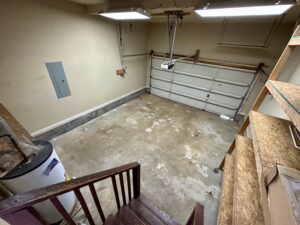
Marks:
<point>212,88</point>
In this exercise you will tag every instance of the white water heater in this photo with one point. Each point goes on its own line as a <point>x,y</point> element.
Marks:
<point>42,169</point>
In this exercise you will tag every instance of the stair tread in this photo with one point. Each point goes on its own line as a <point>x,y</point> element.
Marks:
<point>166,218</point>
<point>287,95</point>
<point>246,195</point>
<point>140,211</point>
<point>272,143</point>
<point>112,220</point>
<point>144,213</point>
<point>226,198</point>
<point>127,217</point>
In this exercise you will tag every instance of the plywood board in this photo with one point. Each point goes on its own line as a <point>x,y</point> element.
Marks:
<point>246,204</point>
<point>13,123</point>
<point>288,96</point>
<point>273,142</point>
<point>226,199</point>
<point>10,157</point>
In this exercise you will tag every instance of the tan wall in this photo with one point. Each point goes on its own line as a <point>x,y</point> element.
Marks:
<point>37,31</point>
<point>204,36</point>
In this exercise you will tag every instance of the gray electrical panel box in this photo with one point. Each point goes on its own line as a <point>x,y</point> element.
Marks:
<point>58,78</point>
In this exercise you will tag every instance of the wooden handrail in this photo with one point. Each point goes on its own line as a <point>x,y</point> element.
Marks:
<point>197,216</point>
<point>28,199</point>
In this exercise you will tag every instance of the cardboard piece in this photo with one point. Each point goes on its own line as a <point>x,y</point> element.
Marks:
<point>283,185</point>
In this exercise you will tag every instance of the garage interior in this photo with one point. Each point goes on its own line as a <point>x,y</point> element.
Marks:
<point>149,112</point>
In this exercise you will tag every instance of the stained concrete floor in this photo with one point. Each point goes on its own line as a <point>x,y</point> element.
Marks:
<point>177,146</point>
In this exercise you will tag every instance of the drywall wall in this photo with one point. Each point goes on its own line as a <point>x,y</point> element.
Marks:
<point>204,36</point>
<point>34,32</point>
<point>291,74</point>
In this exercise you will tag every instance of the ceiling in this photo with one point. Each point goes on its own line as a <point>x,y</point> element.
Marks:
<point>157,7</point>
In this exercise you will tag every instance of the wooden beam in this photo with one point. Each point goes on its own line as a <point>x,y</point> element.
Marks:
<point>281,62</point>
<point>295,41</point>
<point>284,57</point>
<point>232,146</point>
<point>260,99</point>
<point>229,151</point>
<point>17,128</point>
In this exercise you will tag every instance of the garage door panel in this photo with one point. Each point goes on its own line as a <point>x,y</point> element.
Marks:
<point>196,69</point>
<point>234,75</point>
<point>229,88</point>
<point>224,100</point>
<point>190,92</point>
<point>188,101</point>
<point>157,62</point>
<point>161,84</point>
<point>212,88</point>
<point>219,110</point>
<point>193,81</point>
<point>162,74</point>
<point>160,93</point>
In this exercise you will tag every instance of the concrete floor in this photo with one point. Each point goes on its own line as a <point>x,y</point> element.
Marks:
<point>177,146</point>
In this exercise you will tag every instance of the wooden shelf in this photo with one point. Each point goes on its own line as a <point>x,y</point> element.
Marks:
<point>295,41</point>
<point>272,142</point>
<point>246,203</point>
<point>226,198</point>
<point>288,96</point>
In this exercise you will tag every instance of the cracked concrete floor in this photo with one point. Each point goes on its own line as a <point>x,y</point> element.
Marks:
<point>177,146</point>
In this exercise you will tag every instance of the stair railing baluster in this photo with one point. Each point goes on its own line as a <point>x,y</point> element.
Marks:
<point>27,200</point>
<point>97,202</point>
<point>113,178</point>
<point>62,210</point>
<point>84,206</point>
<point>37,215</point>
<point>136,174</point>
<point>128,184</point>
<point>122,188</point>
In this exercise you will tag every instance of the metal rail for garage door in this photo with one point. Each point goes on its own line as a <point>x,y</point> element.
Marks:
<point>217,89</point>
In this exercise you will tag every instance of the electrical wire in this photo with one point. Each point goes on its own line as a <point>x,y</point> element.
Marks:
<point>166,39</point>
<point>63,222</point>
<point>121,41</point>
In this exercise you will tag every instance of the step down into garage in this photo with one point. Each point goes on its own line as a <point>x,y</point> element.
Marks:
<point>140,211</point>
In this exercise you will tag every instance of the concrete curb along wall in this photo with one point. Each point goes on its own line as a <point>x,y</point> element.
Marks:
<point>70,123</point>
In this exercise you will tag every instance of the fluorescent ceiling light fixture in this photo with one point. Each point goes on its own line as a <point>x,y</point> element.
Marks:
<point>258,10</point>
<point>130,14</point>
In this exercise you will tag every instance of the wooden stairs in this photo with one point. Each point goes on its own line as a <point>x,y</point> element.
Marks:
<point>248,160</point>
<point>132,207</point>
<point>140,211</point>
